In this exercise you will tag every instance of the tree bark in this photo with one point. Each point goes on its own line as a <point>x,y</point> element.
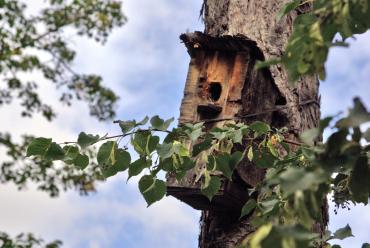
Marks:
<point>256,19</point>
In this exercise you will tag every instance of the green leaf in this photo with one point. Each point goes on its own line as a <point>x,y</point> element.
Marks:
<point>186,164</point>
<point>223,164</point>
<point>211,163</point>
<point>259,128</point>
<point>143,121</point>
<point>248,207</point>
<point>160,124</point>
<point>309,136</point>
<point>237,136</point>
<point>263,158</point>
<point>202,146</point>
<point>294,179</point>
<point>109,171</point>
<point>106,154</point>
<point>38,146</point>
<point>140,141</point>
<point>138,166</point>
<point>269,206</point>
<point>226,163</point>
<point>287,8</point>
<point>166,164</point>
<point>123,160</point>
<point>236,158</point>
<point>152,144</point>
<point>71,152</point>
<point>81,161</point>
<point>54,152</point>
<point>302,67</point>
<point>357,116</point>
<point>195,134</point>
<point>156,122</point>
<point>167,124</point>
<point>84,140</point>
<point>127,126</point>
<point>152,189</point>
<point>343,233</point>
<point>165,150</point>
<point>359,180</point>
<point>365,245</point>
<point>213,187</point>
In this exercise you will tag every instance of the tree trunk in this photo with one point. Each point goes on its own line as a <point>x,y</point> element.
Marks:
<point>256,19</point>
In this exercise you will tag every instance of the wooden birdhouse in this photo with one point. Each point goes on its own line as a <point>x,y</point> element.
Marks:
<point>222,83</point>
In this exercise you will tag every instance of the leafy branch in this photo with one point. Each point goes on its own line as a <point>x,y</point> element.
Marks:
<point>296,183</point>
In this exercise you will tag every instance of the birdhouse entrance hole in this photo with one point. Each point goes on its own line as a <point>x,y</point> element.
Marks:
<point>215,90</point>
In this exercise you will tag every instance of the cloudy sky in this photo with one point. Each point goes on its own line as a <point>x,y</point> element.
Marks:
<point>146,65</point>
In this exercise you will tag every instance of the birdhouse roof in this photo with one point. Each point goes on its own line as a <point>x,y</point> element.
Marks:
<point>228,43</point>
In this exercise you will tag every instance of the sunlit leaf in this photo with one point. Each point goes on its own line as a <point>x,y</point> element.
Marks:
<point>250,153</point>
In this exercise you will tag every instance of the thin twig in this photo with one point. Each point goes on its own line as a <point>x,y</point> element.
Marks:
<point>119,135</point>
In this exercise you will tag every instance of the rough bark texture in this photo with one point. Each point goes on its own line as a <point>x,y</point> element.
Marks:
<point>256,19</point>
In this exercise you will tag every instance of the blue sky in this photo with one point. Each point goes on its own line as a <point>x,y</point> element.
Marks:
<point>145,63</point>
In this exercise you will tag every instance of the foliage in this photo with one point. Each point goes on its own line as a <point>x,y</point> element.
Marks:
<point>48,176</point>
<point>315,32</point>
<point>38,44</point>
<point>25,241</point>
<point>25,39</point>
<point>299,176</point>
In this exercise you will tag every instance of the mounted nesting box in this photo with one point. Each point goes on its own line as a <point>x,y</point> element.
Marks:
<point>222,83</point>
